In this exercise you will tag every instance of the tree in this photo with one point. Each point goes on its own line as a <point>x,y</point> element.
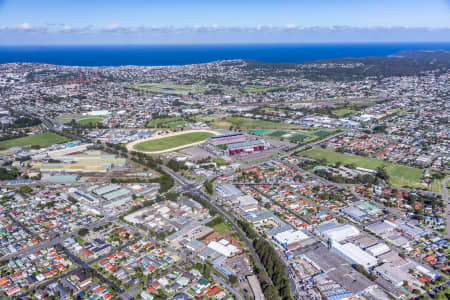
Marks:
<point>233,279</point>
<point>83,231</point>
<point>382,174</point>
<point>25,189</point>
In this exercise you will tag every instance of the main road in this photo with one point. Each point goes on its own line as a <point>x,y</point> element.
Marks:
<point>194,188</point>
<point>447,204</point>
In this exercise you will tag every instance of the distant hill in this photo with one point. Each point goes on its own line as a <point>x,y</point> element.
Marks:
<point>403,63</point>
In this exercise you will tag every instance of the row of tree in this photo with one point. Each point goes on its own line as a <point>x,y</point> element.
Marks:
<point>274,267</point>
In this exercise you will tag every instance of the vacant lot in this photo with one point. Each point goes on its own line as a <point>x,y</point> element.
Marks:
<point>170,142</point>
<point>399,175</point>
<point>246,123</point>
<point>167,88</point>
<point>43,140</point>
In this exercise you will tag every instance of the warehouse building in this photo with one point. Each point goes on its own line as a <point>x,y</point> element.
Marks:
<point>337,232</point>
<point>61,178</point>
<point>223,247</point>
<point>228,190</point>
<point>378,249</point>
<point>247,203</point>
<point>354,255</point>
<point>290,237</point>
<point>88,162</point>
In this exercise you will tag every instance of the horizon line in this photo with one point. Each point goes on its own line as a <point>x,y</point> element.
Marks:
<point>231,43</point>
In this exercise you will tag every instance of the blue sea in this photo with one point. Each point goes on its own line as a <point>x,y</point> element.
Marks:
<point>159,55</point>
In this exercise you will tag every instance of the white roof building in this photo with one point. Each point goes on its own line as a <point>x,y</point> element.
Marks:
<point>340,232</point>
<point>247,203</point>
<point>354,255</point>
<point>289,237</point>
<point>223,247</point>
<point>378,249</point>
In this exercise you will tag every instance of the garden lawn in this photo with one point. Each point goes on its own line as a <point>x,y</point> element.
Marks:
<point>43,140</point>
<point>165,143</point>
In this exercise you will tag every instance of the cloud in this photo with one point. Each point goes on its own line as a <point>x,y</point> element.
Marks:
<point>27,33</point>
<point>24,27</point>
<point>208,28</point>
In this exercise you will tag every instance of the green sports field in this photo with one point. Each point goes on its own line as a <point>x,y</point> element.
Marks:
<point>167,123</point>
<point>399,175</point>
<point>252,88</point>
<point>166,143</point>
<point>168,88</point>
<point>92,120</point>
<point>247,123</point>
<point>295,136</point>
<point>343,112</point>
<point>43,140</point>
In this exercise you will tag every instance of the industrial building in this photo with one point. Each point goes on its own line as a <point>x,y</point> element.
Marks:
<point>354,255</point>
<point>361,211</point>
<point>88,162</point>
<point>223,247</point>
<point>61,178</point>
<point>337,232</point>
<point>228,190</point>
<point>247,203</point>
<point>290,237</point>
<point>378,249</point>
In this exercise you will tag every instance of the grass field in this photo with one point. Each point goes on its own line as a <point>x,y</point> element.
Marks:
<point>167,123</point>
<point>257,89</point>
<point>43,140</point>
<point>343,112</point>
<point>246,123</point>
<point>278,133</point>
<point>66,118</point>
<point>167,88</point>
<point>165,143</point>
<point>222,227</point>
<point>299,137</point>
<point>93,120</point>
<point>296,136</point>
<point>400,176</point>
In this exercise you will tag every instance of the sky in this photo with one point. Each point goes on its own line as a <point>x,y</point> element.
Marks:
<point>79,22</point>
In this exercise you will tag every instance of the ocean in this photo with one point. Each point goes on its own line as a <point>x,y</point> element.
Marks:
<point>161,55</point>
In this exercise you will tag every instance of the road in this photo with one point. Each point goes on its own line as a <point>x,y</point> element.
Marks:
<point>193,188</point>
<point>222,282</point>
<point>232,221</point>
<point>55,241</point>
<point>447,204</point>
<point>82,265</point>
